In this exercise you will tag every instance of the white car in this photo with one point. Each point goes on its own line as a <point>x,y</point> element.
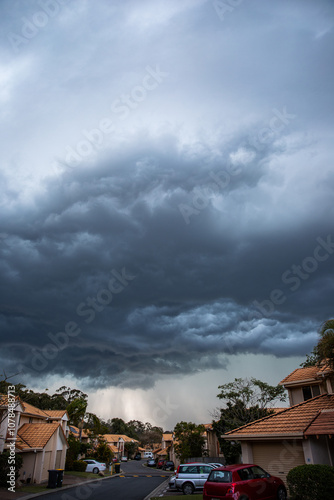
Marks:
<point>94,466</point>
<point>124,459</point>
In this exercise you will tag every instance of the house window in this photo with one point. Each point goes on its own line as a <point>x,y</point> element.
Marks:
<point>310,391</point>
<point>30,420</point>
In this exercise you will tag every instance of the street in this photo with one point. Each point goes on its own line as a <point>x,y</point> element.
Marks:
<point>135,483</point>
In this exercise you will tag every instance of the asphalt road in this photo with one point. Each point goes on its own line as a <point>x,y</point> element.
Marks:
<point>135,483</point>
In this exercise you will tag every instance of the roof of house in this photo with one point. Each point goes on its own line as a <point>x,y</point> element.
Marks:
<point>323,423</point>
<point>290,421</point>
<point>35,435</point>
<point>29,409</point>
<point>55,413</point>
<point>114,438</point>
<point>167,437</point>
<point>113,448</point>
<point>309,374</point>
<point>76,431</point>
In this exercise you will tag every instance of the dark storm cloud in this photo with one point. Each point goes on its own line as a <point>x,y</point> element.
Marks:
<point>201,223</point>
<point>191,293</point>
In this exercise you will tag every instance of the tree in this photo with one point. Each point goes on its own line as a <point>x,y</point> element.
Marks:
<point>103,453</point>
<point>76,411</point>
<point>324,349</point>
<point>325,346</point>
<point>245,401</point>
<point>189,440</point>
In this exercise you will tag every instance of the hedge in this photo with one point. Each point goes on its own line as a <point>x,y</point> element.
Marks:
<point>311,482</point>
<point>79,465</point>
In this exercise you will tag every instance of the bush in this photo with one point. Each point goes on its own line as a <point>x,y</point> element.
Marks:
<point>79,465</point>
<point>311,482</point>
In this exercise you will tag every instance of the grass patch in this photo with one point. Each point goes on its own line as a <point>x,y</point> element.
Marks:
<point>33,488</point>
<point>84,474</point>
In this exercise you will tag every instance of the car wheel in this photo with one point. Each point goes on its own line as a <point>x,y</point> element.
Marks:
<point>95,470</point>
<point>281,494</point>
<point>188,489</point>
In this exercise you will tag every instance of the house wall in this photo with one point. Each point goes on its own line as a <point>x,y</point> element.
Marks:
<point>28,464</point>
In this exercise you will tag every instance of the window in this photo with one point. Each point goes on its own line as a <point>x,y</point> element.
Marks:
<point>245,474</point>
<point>188,469</point>
<point>310,391</point>
<point>220,476</point>
<point>258,472</point>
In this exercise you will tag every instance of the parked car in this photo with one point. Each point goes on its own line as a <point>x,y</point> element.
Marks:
<point>124,459</point>
<point>137,457</point>
<point>150,462</point>
<point>160,463</point>
<point>171,482</point>
<point>94,466</point>
<point>168,465</point>
<point>192,476</point>
<point>243,481</point>
<point>216,464</point>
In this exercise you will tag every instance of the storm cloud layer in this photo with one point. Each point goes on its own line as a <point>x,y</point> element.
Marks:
<point>166,185</point>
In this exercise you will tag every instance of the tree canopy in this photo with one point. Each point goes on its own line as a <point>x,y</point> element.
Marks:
<point>245,400</point>
<point>189,440</point>
<point>324,349</point>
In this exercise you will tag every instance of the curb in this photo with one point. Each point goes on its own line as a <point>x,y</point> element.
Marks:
<point>157,490</point>
<point>63,488</point>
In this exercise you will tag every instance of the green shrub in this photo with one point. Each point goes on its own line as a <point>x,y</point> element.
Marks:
<point>311,482</point>
<point>79,465</point>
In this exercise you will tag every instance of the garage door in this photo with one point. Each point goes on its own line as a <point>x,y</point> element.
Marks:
<point>46,465</point>
<point>278,458</point>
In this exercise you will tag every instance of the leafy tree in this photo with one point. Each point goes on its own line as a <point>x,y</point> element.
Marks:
<point>324,348</point>
<point>76,448</point>
<point>118,426</point>
<point>103,453</point>
<point>76,411</point>
<point>5,467</point>
<point>245,401</point>
<point>189,440</point>
<point>131,447</point>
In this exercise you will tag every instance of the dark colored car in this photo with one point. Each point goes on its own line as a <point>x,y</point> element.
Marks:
<point>137,457</point>
<point>150,462</point>
<point>243,481</point>
<point>168,465</point>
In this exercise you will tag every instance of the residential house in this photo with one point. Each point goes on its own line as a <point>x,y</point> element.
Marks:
<point>211,442</point>
<point>40,437</point>
<point>117,442</point>
<point>306,383</point>
<point>300,434</point>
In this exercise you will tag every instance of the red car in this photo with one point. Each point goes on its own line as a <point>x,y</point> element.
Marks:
<point>243,482</point>
<point>160,464</point>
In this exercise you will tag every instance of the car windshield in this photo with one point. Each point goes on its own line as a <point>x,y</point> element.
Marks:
<point>220,476</point>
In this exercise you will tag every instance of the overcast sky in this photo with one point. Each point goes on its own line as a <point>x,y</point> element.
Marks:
<point>166,196</point>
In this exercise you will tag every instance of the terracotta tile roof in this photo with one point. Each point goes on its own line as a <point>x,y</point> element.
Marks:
<point>308,374</point>
<point>35,435</point>
<point>113,448</point>
<point>323,423</point>
<point>167,437</point>
<point>55,413</point>
<point>115,437</point>
<point>76,431</point>
<point>290,421</point>
<point>163,452</point>
<point>33,411</point>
